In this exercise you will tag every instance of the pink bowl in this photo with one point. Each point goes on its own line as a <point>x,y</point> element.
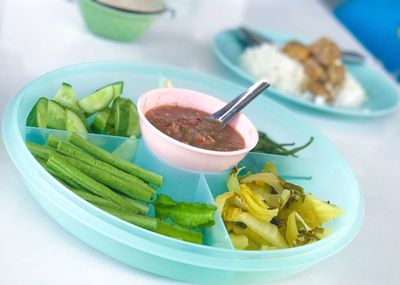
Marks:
<point>184,155</point>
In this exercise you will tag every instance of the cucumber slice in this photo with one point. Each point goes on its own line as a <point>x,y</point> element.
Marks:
<point>38,115</point>
<point>74,123</point>
<point>134,126</point>
<point>126,118</point>
<point>55,116</point>
<point>101,98</point>
<point>66,97</point>
<point>100,121</point>
<point>109,130</point>
<point>118,88</point>
<point>127,150</point>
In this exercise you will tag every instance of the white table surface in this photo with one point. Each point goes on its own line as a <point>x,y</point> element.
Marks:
<point>41,35</point>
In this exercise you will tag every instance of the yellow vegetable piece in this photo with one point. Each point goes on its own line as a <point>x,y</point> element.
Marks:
<point>267,231</point>
<point>268,178</point>
<point>252,246</point>
<point>270,167</point>
<point>313,211</point>
<point>267,247</point>
<point>256,237</point>
<point>221,200</point>
<point>237,201</point>
<point>233,181</point>
<point>292,231</point>
<point>239,241</point>
<point>255,205</point>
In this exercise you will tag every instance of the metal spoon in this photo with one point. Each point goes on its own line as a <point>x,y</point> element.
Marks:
<point>250,38</point>
<point>226,113</point>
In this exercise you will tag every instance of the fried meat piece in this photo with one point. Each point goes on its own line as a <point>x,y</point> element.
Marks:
<point>325,51</point>
<point>296,50</point>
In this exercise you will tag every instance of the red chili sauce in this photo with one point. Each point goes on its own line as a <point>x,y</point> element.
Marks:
<point>189,126</point>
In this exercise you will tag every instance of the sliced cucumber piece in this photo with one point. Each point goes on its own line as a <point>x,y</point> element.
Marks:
<point>134,126</point>
<point>110,126</point>
<point>38,115</point>
<point>120,111</point>
<point>101,98</point>
<point>100,121</point>
<point>55,116</point>
<point>66,97</point>
<point>118,88</point>
<point>127,150</point>
<point>74,123</point>
<point>126,118</point>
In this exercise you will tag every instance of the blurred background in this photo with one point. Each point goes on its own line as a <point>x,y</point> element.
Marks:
<point>45,34</point>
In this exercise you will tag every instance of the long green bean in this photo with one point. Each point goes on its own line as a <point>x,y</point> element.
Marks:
<point>64,180</point>
<point>77,153</point>
<point>109,180</point>
<point>143,209</point>
<point>96,200</point>
<point>122,164</point>
<point>39,150</point>
<point>57,163</point>
<point>139,220</point>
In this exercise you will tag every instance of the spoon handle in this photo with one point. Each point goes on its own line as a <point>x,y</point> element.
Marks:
<point>226,113</point>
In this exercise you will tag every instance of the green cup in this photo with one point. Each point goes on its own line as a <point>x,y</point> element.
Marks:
<point>113,23</point>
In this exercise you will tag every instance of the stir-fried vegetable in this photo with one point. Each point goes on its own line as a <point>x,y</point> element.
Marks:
<point>266,145</point>
<point>262,211</point>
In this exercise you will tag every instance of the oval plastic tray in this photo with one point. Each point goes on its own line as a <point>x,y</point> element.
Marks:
<point>320,170</point>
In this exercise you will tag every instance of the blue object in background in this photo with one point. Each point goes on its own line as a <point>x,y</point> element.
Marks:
<point>376,24</point>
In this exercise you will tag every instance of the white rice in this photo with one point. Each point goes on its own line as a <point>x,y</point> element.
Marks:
<point>350,94</point>
<point>287,75</point>
<point>268,62</point>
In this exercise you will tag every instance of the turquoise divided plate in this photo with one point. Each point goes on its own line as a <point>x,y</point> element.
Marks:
<point>216,261</point>
<point>382,96</point>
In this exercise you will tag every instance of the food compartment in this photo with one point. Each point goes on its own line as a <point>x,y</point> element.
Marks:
<point>317,177</point>
<point>179,184</point>
<point>185,186</point>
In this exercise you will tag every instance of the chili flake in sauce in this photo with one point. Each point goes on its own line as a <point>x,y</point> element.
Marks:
<point>189,126</point>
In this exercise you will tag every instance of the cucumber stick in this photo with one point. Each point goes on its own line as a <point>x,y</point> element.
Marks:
<point>101,98</point>
<point>38,115</point>
<point>100,121</point>
<point>74,122</point>
<point>56,117</point>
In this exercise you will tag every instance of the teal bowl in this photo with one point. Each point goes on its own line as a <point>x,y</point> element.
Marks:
<point>382,95</point>
<point>113,23</point>
<point>216,261</point>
